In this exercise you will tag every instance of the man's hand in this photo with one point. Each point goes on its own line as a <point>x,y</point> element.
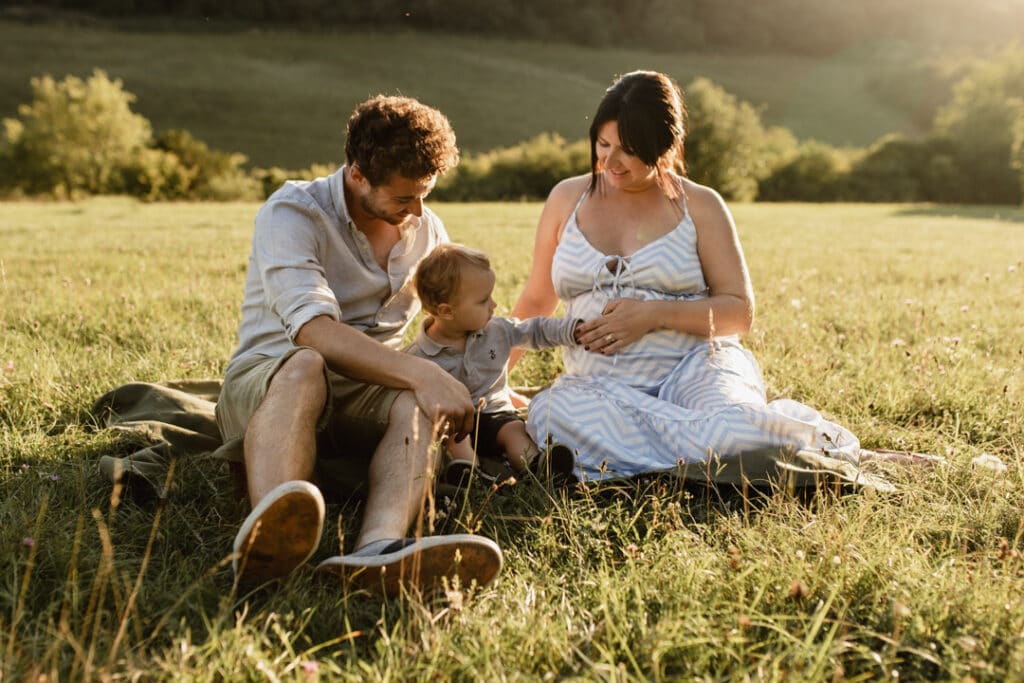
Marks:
<point>445,399</point>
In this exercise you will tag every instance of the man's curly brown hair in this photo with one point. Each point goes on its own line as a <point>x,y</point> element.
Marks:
<point>388,135</point>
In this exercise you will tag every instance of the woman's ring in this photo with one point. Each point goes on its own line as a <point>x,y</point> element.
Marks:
<point>610,338</point>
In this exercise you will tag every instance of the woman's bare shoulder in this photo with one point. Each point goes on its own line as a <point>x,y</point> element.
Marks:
<point>569,190</point>
<point>562,200</point>
<point>701,197</point>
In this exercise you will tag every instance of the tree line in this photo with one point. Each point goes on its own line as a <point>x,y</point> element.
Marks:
<point>811,27</point>
<point>80,136</point>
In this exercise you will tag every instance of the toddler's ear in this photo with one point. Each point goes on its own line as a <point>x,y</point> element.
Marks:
<point>444,311</point>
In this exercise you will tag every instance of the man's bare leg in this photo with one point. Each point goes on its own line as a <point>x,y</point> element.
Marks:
<point>283,529</point>
<point>384,558</point>
<point>280,441</point>
<point>399,474</point>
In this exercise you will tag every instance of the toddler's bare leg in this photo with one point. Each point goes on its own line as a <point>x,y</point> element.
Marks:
<point>461,451</point>
<point>520,450</point>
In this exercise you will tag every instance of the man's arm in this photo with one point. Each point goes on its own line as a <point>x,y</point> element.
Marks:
<point>351,353</point>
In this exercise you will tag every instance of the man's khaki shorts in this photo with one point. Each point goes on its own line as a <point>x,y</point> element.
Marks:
<point>348,432</point>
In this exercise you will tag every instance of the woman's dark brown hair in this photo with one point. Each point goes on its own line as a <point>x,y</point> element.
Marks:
<point>648,108</point>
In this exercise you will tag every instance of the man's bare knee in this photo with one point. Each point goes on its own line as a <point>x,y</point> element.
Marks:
<point>302,371</point>
<point>406,415</point>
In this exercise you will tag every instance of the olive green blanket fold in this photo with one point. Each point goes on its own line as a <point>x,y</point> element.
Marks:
<point>164,421</point>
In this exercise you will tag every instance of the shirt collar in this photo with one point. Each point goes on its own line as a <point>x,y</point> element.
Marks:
<point>426,344</point>
<point>431,347</point>
<point>407,233</point>
<point>338,193</point>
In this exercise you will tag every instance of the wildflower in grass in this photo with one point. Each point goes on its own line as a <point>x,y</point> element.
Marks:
<point>965,308</point>
<point>897,342</point>
<point>798,590</point>
<point>28,541</point>
<point>795,303</point>
<point>455,597</point>
<point>54,477</point>
<point>47,405</point>
<point>310,667</point>
<point>9,367</point>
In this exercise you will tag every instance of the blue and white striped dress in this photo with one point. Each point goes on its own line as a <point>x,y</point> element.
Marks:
<point>669,398</point>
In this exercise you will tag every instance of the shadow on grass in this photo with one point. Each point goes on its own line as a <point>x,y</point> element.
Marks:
<point>1003,213</point>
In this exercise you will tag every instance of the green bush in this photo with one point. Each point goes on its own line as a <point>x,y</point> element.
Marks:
<point>1017,154</point>
<point>727,146</point>
<point>214,174</point>
<point>980,121</point>
<point>154,174</point>
<point>523,172</point>
<point>270,179</point>
<point>75,137</point>
<point>896,169</point>
<point>81,137</point>
<point>815,173</point>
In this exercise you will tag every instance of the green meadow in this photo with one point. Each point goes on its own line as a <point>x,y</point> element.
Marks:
<point>899,321</point>
<point>282,97</point>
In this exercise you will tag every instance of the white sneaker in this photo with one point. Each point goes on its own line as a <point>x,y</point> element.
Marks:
<point>387,566</point>
<point>280,534</point>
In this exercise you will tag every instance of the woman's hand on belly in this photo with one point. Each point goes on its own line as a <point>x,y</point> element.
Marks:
<point>622,322</point>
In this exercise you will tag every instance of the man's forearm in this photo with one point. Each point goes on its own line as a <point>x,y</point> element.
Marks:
<point>353,354</point>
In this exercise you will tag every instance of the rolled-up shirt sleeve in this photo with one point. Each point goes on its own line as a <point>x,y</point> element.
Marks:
<point>288,247</point>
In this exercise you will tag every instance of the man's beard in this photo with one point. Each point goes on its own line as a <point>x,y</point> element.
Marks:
<point>371,210</point>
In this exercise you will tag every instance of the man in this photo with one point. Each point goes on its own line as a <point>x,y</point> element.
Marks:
<point>318,389</point>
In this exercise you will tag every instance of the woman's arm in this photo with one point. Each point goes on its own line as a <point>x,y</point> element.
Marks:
<point>729,308</point>
<point>538,296</point>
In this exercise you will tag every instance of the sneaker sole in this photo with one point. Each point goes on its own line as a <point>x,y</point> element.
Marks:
<point>424,564</point>
<point>280,534</point>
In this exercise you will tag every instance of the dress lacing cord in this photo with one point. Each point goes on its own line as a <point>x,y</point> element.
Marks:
<point>622,276</point>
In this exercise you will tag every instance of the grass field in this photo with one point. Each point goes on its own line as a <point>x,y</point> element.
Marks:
<point>282,97</point>
<point>902,322</point>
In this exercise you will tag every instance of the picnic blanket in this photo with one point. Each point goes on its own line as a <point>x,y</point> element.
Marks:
<point>176,420</point>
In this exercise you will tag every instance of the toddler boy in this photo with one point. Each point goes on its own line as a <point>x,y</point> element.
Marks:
<point>454,284</point>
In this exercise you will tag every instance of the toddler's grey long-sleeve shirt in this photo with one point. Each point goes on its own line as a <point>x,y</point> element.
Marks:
<point>482,366</point>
